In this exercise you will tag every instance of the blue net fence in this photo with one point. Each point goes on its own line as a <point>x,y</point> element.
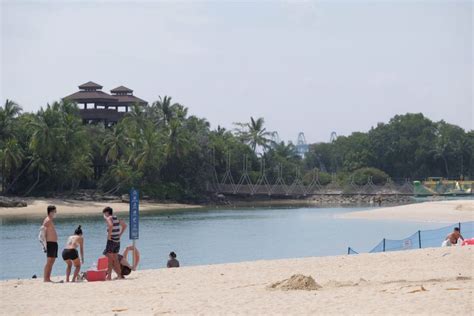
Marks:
<point>421,239</point>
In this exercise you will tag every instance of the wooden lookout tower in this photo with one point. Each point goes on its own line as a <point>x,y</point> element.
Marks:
<point>98,106</point>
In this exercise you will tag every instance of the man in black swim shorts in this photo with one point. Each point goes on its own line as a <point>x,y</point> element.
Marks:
<point>51,249</point>
<point>51,242</point>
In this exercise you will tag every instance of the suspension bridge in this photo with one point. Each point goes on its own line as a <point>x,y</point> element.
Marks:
<point>243,185</point>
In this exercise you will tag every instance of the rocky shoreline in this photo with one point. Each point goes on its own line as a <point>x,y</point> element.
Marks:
<point>236,200</point>
<point>12,202</point>
<point>386,199</point>
<point>331,200</point>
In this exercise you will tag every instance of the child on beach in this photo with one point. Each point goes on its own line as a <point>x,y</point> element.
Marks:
<point>70,255</point>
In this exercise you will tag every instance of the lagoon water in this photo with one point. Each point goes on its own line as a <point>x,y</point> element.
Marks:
<point>207,236</point>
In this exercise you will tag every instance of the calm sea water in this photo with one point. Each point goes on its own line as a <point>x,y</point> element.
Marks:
<point>205,237</point>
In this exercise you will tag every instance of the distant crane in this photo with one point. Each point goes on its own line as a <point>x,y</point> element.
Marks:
<point>301,145</point>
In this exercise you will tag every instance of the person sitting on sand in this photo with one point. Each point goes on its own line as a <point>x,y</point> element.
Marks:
<point>172,262</point>
<point>70,255</point>
<point>453,238</point>
<point>125,267</point>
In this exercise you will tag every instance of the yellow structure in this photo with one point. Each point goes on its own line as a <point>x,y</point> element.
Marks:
<point>449,187</point>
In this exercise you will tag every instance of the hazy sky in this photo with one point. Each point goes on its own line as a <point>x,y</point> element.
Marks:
<point>310,66</point>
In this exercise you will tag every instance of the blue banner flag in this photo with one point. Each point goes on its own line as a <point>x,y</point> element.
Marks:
<point>134,218</point>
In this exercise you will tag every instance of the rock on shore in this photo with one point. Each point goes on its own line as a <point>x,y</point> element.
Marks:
<point>11,202</point>
<point>361,199</point>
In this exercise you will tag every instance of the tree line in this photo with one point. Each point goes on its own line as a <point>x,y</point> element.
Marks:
<point>169,154</point>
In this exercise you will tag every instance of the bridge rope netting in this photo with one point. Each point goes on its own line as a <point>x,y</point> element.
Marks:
<point>296,186</point>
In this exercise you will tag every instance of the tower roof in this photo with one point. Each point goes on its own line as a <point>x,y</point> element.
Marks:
<point>85,96</point>
<point>90,92</point>
<point>128,99</point>
<point>121,89</point>
<point>90,85</point>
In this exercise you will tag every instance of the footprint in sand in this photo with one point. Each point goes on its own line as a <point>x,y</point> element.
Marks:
<point>421,289</point>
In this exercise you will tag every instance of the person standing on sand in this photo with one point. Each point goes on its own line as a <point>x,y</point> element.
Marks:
<point>51,242</point>
<point>115,229</point>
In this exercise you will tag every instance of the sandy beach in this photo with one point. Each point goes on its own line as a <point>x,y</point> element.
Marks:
<point>436,211</point>
<point>428,281</point>
<point>37,207</point>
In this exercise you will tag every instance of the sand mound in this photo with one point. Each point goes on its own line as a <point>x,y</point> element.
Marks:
<point>465,207</point>
<point>296,282</point>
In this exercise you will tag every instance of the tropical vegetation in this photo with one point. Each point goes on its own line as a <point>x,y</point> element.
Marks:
<point>170,154</point>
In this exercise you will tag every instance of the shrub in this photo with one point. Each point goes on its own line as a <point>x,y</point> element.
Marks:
<point>361,176</point>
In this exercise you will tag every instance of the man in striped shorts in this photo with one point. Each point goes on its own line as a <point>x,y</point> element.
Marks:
<point>115,229</point>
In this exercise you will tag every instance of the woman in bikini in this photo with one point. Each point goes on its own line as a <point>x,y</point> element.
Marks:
<point>70,255</point>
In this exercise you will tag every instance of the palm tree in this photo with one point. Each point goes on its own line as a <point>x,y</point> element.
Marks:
<point>148,149</point>
<point>80,168</point>
<point>8,113</point>
<point>115,144</point>
<point>38,165</point>
<point>136,117</point>
<point>11,109</point>
<point>43,139</point>
<point>285,152</point>
<point>11,156</point>
<point>164,111</point>
<point>254,134</point>
<point>220,130</point>
<point>177,141</point>
<point>121,175</point>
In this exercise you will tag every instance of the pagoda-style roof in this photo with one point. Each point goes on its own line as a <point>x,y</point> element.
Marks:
<point>90,92</point>
<point>127,99</point>
<point>85,96</point>
<point>121,89</point>
<point>90,86</point>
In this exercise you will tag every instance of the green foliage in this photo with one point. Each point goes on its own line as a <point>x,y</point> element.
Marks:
<point>361,176</point>
<point>254,134</point>
<point>409,146</point>
<point>324,178</point>
<point>169,154</point>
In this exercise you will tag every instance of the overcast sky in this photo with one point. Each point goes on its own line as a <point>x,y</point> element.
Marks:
<point>309,66</point>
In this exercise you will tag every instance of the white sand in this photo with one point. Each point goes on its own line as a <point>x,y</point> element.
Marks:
<point>439,211</point>
<point>427,281</point>
<point>37,207</point>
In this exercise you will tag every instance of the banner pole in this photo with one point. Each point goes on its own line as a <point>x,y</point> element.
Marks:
<point>134,220</point>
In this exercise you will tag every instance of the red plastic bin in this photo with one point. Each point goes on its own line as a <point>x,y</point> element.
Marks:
<point>468,242</point>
